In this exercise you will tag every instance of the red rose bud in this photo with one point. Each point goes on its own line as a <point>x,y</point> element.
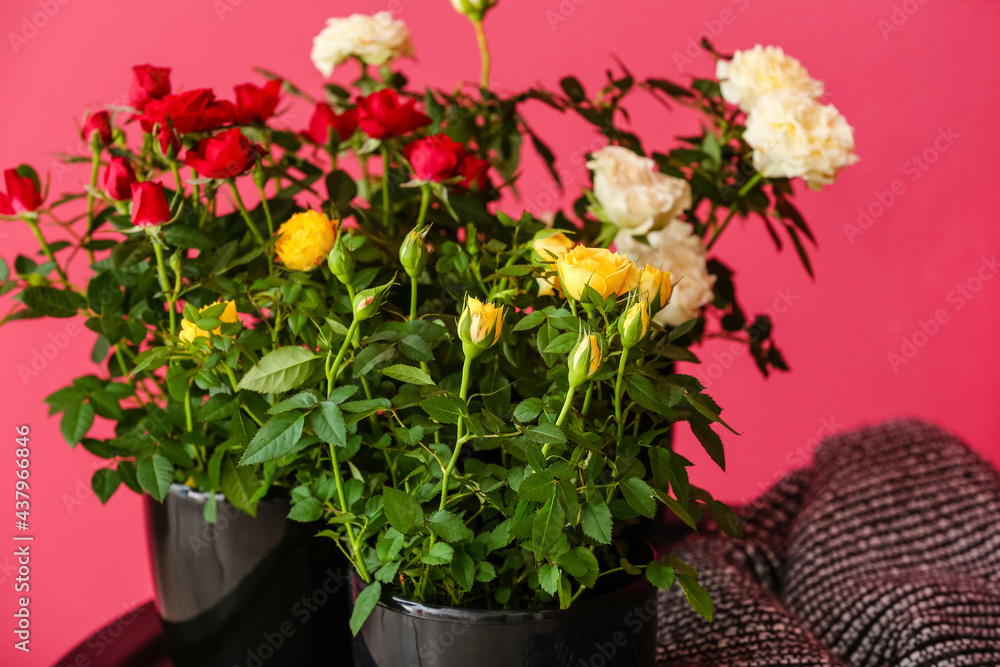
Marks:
<point>475,173</point>
<point>149,204</point>
<point>255,104</point>
<point>325,118</point>
<point>22,193</point>
<point>118,179</point>
<point>382,115</point>
<point>226,155</point>
<point>193,111</point>
<point>170,143</point>
<point>149,83</point>
<point>100,123</point>
<point>434,158</point>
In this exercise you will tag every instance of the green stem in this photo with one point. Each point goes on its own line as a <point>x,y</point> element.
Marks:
<point>425,200</point>
<point>332,372</point>
<point>95,165</point>
<point>385,186</point>
<point>721,228</point>
<point>359,560</point>
<point>243,211</point>
<point>47,250</point>
<point>413,298</point>
<point>363,184</point>
<point>586,399</point>
<point>161,268</point>
<point>618,394</point>
<point>267,209</point>
<point>567,403</point>
<point>177,175</point>
<point>121,362</point>
<point>749,184</point>
<point>463,393</point>
<point>187,409</point>
<point>484,54</point>
<point>232,378</point>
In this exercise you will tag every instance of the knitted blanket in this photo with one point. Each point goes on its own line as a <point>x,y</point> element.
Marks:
<point>886,552</point>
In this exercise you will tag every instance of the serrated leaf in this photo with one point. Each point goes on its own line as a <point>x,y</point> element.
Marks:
<point>407,374</point>
<point>528,410</point>
<point>641,390</point>
<point>76,421</point>
<point>104,483</point>
<point>443,409</point>
<point>660,575</point>
<point>439,554</point>
<point>279,370</point>
<point>639,496</point>
<point>596,522</point>
<point>301,400</point>
<point>218,407</point>
<point>306,510</point>
<point>548,578</point>
<point>52,302</point>
<point>463,568</point>
<point>562,343</point>
<point>545,434</point>
<point>697,596</point>
<point>530,321</point>
<point>363,606</point>
<point>276,437</point>
<point>327,421</point>
<point>709,439</point>
<point>547,527</point>
<point>539,486</point>
<point>402,510</point>
<point>239,485</point>
<point>449,527</point>
<point>155,474</point>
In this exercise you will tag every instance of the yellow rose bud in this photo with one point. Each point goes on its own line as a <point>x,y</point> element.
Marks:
<point>413,252</point>
<point>634,324</point>
<point>606,272</point>
<point>480,324</point>
<point>190,331</point>
<point>584,360</point>
<point>305,240</point>
<point>656,285</point>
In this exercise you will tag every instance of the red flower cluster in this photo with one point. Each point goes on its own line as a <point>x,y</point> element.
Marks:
<point>382,115</point>
<point>22,194</point>
<point>324,119</point>
<point>226,155</point>
<point>438,158</point>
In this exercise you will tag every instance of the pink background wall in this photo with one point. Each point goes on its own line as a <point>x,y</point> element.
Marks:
<point>906,73</point>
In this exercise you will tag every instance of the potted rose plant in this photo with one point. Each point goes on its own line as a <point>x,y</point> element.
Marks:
<point>475,408</point>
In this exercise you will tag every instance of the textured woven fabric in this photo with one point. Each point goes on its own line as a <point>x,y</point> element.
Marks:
<point>886,552</point>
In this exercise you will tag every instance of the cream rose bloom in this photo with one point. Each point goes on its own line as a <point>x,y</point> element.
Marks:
<point>763,69</point>
<point>636,197</point>
<point>679,250</point>
<point>374,39</point>
<point>794,135</point>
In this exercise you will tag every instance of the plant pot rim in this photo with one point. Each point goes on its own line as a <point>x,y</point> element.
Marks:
<point>201,497</point>
<point>472,616</point>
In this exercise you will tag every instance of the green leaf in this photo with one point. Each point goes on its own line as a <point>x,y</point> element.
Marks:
<point>545,433</point>
<point>52,302</point>
<point>407,374</point>
<point>681,329</point>
<point>439,554</point>
<point>528,410</point>
<point>548,578</point>
<point>328,423</point>
<point>703,404</point>
<point>303,400</point>
<point>463,568</point>
<point>443,409</point>
<point>240,486</point>
<point>449,527</point>
<point>547,527</point>
<point>279,370</point>
<point>639,496</point>
<point>76,421</point>
<point>127,473</point>
<point>660,575</point>
<point>219,407</point>
<point>530,321</point>
<point>539,486</point>
<point>306,510</point>
<point>276,437</point>
<point>697,596</point>
<point>641,390</point>
<point>363,606</point>
<point>402,510</point>
<point>241,430</point>
<point>709,439</point>
<point>342,393</point>
<point>389,545</point>
<point>485,572</point>
<point>155,474</point>
<point>105,482</point>
<point>596,521</point>
<point>562,343</point>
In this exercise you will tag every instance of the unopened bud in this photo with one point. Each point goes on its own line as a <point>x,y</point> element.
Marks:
<point>341,261</point>
<point>584,360</point>
<point>413,252</point>
<point>634,323</point>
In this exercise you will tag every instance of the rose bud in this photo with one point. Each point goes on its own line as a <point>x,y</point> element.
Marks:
<point>367,302</point>
<point>413,252</point>
<point>22,193</point>
<point>98,123</point>
<point>473,9</point>
<point>584,360</point>
<point>341,261</point>
<point>255,104</point>
<point>226,155</point>
<point>168,141</point>
<point>634,323</point>
<point>382,115</point>
<point>149,83</point>
<point>606,272</point>
<point>324,119</point>
<point>118,179</point>
<point>475,173</point>
<point>149,204</point>
<point>434,158</point>
<point>656,285</point>
<point>479,326</point>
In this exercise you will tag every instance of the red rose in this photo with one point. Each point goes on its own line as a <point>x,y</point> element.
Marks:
<point>149,83</point>
<point>99,122</point>
<point>325,118</point>
<point>254,104</point>
<point>226,155</point>
<point>474,172</point>
<point>193,111</point>
<point>5,208</point>
<point>382,115</point>
<point>434,158</point>
<point>22,193</point>
<point>170,143</point>
<point>149,204</point>
<point>118,179</point>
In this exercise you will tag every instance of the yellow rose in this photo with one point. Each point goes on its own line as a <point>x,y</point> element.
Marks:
<point>305,240</point>
<point>605,271</point>
<point>190,331</point>
<point>480,323</point>
<point>546,250</point>
<point>656,285</point>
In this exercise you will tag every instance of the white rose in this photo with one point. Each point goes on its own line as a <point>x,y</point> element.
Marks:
<point>636,197</point>
<point>763,69</point>
<point>374,39</point>
<point>794,135</point>
<point>679,250</point>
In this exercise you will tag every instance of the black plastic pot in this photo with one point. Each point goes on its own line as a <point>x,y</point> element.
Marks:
<point>616,629</point>
<point>245,591</point>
